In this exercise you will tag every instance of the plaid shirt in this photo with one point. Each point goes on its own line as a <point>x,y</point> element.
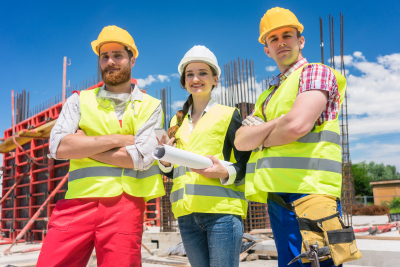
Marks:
<point>313,77</point>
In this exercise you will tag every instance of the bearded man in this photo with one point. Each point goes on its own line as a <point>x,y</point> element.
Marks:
<point>108,134</point>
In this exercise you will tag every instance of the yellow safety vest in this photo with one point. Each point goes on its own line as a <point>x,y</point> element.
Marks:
<point>192,192</point>
<point>90,178</point>
<point>310,165</point>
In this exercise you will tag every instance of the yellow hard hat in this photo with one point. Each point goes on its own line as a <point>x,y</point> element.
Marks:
<point>276,18</point>
<point>114,34</point>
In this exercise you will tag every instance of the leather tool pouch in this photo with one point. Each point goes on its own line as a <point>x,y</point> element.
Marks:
<point>320,222</point>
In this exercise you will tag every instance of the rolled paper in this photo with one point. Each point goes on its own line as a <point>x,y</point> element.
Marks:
<point>183,158</point>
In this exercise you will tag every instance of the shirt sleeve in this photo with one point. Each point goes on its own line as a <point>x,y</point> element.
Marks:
<point>237,171</point>
<point>67,123</point>
<point>167,171</point>
<point>145,142</point>
<point>318,77</point>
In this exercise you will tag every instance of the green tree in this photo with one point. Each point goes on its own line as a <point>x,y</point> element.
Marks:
<point>364,173</point>
<point>380,172</point>
<point>361,180</point>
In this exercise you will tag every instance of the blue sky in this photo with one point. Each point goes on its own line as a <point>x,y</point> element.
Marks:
<point>36,35</point>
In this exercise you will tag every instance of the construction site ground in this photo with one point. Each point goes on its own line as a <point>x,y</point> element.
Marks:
<point>375,252</point>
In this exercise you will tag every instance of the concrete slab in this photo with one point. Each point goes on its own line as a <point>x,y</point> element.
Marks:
<point>20,259</point>
<point>364,221</point>
<point>165,240</point>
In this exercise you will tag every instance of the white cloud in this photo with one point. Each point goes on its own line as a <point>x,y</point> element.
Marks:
<point>151,79</point>
<point>147,81</point>
<point>176,75</point>
<point>163,78</point>
<point>178,105</point>
<point>373,96</point>
<point>389,154</point>
<point>359,55</point>
<point>270,68</point>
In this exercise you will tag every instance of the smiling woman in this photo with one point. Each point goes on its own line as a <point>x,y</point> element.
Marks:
<point>209,203</point>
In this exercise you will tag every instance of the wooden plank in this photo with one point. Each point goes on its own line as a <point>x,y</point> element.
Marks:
<point>243,256</point>
<point>252,257</point>
<point>374,237</point>
<point>260,231</point>
<point>265,252</point>
<point>26,136</point>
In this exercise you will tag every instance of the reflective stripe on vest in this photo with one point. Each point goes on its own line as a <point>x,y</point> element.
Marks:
<point>180,170</point>
<point>323,136</point>
<point>300,163</point>
<point>250,168</point>
<point>113,172</point>
<point>142,174</point>
<point>206,190</point>
<point>93,172</point>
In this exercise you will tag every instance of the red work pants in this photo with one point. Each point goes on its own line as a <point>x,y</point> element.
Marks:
<point>113,225</point>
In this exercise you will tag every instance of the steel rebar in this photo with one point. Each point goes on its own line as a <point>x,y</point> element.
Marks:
<point>322,40</point>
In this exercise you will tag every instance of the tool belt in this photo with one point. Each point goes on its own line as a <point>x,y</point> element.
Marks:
<point>320,223</point>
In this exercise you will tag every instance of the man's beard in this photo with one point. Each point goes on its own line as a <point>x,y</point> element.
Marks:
<point>116,77</point>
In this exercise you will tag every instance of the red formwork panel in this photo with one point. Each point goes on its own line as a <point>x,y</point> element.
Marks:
<point>37,120</point>
<point>32,191</point>
<point>152,212</point>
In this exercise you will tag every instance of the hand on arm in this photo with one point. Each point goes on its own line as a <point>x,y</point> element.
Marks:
<point>300,120</point>
<point>250,137</point>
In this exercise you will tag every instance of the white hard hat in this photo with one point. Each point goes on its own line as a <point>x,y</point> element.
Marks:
<point>199,53</point>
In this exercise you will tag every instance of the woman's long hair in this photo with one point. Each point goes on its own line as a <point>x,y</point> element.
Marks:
<point>188,103</point>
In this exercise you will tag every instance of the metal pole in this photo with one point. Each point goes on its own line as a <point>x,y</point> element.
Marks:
<point>330,42</point>
<point>254,81</point>
<point>241,89</point>
<point>23,104</point>
<point>344,68</point>
<point>64,79</point>
<point>244,86</point>
<point>322,40</point>
<point>13,111</point>
<point>236,83</point>
<point>333,45</point>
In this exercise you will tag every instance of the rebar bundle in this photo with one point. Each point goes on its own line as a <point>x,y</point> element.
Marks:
<point>348,193</point>
<point>238,88</point>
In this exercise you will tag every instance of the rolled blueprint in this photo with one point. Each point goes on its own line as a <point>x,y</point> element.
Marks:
<point>184,158</point>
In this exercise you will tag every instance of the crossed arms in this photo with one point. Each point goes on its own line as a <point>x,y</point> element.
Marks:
<point>125,151</point>
<point>109,149</point>
<point>299,121</point>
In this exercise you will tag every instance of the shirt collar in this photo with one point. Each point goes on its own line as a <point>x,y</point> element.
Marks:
<point>136,93</point>
<point>282,77</point>
<point>212,103</point>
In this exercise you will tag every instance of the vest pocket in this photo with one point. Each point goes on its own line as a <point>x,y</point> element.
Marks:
<point>63,213</point>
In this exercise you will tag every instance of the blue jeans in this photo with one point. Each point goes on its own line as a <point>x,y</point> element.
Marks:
<point>286,231</point>
<point>212,240</point>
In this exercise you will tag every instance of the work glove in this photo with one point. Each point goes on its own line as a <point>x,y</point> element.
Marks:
<point>249,121</point>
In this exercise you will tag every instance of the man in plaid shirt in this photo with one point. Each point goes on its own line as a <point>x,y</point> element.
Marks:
<point>290,126</point>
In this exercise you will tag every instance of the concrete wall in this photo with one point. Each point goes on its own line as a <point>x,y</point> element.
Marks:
<point>165,240</point>
<point>385,190</point>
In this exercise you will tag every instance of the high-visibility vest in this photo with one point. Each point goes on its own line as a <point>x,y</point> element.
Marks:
<point>310,165</point>
<point>91,178</point>
<point>192,192</point>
